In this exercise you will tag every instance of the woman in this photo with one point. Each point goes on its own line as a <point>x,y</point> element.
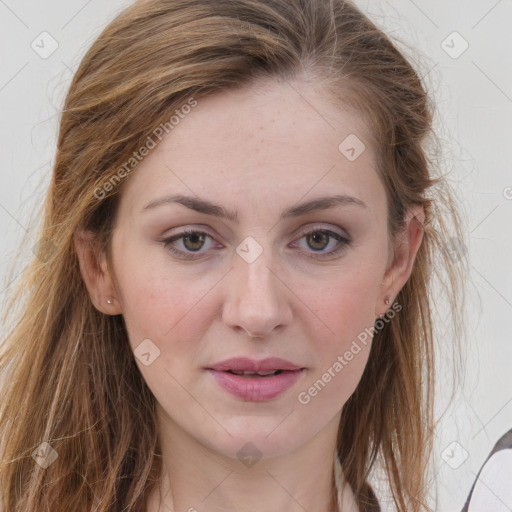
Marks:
<point>230,308</point>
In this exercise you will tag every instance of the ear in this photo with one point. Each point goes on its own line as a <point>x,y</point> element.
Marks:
<point>407,244</point>
<point>95,273</point>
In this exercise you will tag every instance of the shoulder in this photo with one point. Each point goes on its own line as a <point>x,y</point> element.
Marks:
<point>492,489</point>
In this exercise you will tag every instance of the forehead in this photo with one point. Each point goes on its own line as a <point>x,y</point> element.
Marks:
<point>260,146</point>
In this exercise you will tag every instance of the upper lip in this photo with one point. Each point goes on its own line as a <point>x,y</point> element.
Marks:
<point>253,365</point>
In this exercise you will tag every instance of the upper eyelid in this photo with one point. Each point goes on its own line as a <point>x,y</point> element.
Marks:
<point>297,236</point>
<point>301,231</point>
<point>324,228</point>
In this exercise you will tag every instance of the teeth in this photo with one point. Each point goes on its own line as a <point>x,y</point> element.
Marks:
<point>263,374</point>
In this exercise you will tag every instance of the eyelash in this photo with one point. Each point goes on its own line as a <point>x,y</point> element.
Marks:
<point>344,243</point>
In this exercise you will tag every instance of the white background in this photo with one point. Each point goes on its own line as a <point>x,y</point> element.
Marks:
<point>474,97</point>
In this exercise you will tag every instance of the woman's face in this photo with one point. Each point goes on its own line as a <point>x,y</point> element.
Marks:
<point>275,266</point>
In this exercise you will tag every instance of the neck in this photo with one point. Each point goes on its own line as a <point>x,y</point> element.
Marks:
<point>196,478</point>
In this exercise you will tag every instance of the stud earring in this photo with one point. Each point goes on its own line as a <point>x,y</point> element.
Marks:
<point>109,301</point>
<point>386,302</point>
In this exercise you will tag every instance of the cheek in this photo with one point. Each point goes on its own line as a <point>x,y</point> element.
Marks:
<point>348,306</point>
<point>157,301</point>
<point>164,308</point>
<point>347,309</point>
<point>174,317</point>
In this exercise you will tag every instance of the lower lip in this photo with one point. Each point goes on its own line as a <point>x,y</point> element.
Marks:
<point>257,389</point>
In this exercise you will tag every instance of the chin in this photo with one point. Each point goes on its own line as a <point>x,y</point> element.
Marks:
<point>263,438</point>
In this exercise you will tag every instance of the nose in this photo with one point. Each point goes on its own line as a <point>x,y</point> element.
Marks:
<point>257,302</point>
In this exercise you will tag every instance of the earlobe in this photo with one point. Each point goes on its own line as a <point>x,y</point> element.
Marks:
<point>407,245</point>
<point>95,273</point>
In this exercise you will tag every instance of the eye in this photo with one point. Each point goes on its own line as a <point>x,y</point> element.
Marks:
<point>191,241</point>
<point>320,239</point>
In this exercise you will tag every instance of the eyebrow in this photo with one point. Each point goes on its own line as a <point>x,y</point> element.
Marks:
<point>209,208</point>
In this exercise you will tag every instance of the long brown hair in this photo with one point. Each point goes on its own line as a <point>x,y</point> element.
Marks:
<point>70,376</point>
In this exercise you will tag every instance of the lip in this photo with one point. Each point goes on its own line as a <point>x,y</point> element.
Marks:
<point>256,389</point>
<point>253,365</point>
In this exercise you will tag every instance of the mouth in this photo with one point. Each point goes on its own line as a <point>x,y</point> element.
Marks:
<point>251,375</point>
<point>251,386</point>
<point>249,366</point>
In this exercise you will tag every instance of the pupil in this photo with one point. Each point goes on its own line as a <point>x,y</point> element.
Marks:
<point>194,238</point>
<point>316,237</point>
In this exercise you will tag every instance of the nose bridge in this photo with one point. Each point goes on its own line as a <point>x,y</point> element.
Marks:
<point>256,302</point>
<point>260,282</point>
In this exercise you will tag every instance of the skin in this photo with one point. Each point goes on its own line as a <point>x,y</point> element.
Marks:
<point>257,151</point>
